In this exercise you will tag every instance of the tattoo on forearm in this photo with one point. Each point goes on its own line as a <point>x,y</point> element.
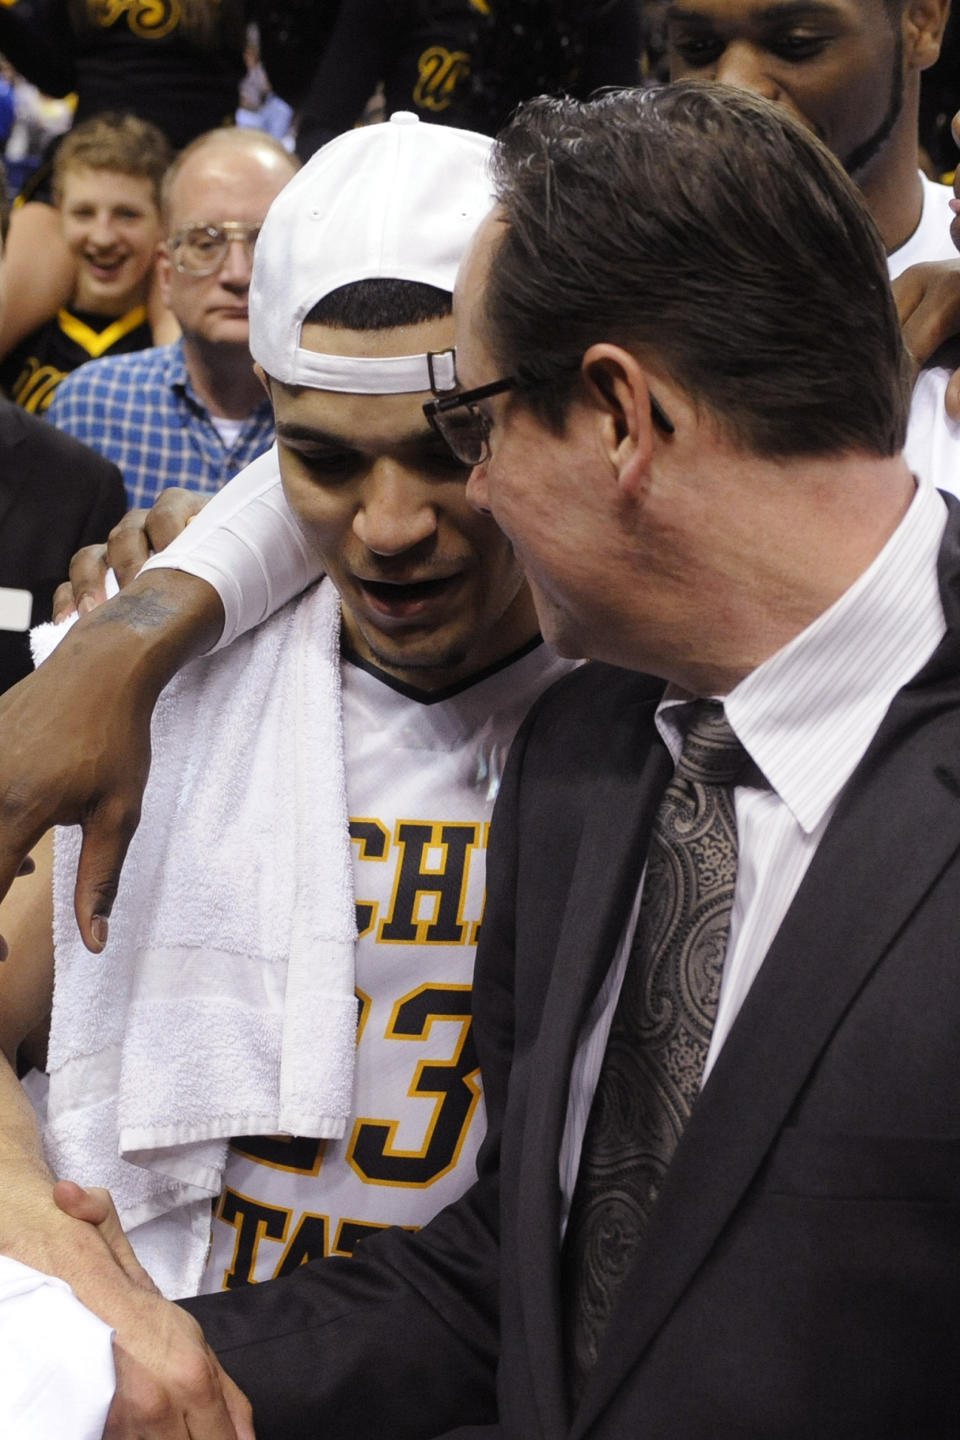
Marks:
<point>146,611</point>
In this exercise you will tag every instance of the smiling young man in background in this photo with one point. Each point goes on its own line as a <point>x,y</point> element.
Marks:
<point>191,413</point>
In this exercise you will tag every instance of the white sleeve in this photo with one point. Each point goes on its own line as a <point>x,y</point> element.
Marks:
<point>248,544</point>
<point>57,1372</point>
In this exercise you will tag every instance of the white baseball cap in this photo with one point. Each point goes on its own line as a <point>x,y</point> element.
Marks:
<point>400,201</point>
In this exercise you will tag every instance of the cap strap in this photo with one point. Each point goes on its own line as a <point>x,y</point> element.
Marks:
<point>363,375</point>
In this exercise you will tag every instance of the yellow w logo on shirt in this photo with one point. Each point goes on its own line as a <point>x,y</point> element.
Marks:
<point>440,72</point>
<point>149,19</point>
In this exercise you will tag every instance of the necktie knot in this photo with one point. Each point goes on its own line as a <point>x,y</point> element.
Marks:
<point>711,754</point>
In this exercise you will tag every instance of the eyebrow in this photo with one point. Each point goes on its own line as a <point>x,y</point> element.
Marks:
<point>794,10</point>
<point>293,433</point>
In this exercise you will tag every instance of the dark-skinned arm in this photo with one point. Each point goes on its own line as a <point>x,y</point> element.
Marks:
<point>928,303</point>
<point>76,733</point>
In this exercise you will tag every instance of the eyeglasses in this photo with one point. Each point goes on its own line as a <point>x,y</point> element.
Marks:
<point>202,249</point>
<point>466,429</point>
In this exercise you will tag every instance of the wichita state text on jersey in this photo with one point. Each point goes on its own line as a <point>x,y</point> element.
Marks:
<point>422,775</point>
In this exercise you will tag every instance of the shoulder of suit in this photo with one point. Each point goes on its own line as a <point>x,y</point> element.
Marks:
<point>597,678</point>
<point>48,445</point>
<point>598,696</point>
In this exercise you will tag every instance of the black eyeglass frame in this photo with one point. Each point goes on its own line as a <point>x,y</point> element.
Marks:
<point>467,399</point>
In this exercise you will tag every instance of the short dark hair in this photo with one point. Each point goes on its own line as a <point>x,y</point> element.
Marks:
<point>380,304</point>
<point>702,228</point>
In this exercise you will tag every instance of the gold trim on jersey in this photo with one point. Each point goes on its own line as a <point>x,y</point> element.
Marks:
<point>98,342</point>
<point>364,1005</point>
<point>294,1154</point>
<point>453,1085</point>
<point>477,925</point>
<point>267,1226</point>
<point>34,387</point>
<point>415,879</point>
<point>372,839</point>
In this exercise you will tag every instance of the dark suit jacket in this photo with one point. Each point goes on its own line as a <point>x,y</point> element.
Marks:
<point>56,495</point>
<point>800,1276</point>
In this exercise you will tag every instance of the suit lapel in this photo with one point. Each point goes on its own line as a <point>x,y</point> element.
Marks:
<point>605,874</point>
<point>904,800</point>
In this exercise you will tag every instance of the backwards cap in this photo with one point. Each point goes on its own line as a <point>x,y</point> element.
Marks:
<point>397,201</point>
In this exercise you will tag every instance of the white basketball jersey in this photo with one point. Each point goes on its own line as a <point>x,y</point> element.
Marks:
<point>422,775</point>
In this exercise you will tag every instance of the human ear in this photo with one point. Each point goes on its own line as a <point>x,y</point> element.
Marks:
<point>616,387</point>
<point>163,268</point>
<point>924,22</point>
<point>263,377</point>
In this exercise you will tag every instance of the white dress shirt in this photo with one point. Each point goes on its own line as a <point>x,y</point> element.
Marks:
<point>806,717</point>
<point>56,1359</point>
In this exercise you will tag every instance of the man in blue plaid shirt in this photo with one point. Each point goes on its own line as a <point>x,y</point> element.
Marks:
<point>193,413</point>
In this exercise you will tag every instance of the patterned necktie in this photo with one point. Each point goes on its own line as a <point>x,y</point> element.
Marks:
<point>653,1064</point>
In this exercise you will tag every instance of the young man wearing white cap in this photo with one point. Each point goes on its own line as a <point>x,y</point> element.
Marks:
<point>437,663</point>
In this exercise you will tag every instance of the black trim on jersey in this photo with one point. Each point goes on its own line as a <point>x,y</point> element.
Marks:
<point>433,697</point>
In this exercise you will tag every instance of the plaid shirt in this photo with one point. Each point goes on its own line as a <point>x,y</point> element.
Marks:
<point>141,412</point>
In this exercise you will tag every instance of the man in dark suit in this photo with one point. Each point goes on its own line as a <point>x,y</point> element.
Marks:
<point>56,495</point>
<point>661,342</point>
<point>703,485</point>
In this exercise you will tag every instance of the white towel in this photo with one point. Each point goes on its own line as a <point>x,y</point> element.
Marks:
<point>223,1003</point>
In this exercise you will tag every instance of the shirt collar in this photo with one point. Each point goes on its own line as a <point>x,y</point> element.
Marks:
<point>178,378</point>
<point>808,713</point>
<point>175,366</point>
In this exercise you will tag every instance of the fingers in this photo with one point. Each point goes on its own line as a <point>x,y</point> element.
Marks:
<point>14,855</point>
<point>169,1384</point>
<point>226,1415</point>
<point>921,336</point>
<point>106,837</point>
<point>128,546</point>
<point>171,515</point>
<point>95,1207</point>
<point>908,290</point>
<point>88,571</point>
<point>143,532</point>
<point>143,1407</point>
<point>920,330</point>
<point>27,867</point>
<point>928,303</point>
<point>64,604</point>
<point>238,1408</point>
<point>170,1387</point>
<point>952,398</point>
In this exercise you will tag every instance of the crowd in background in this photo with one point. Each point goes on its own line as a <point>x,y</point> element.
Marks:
<point>97,98</point>
<point>147,140</point>
<point>132,85</point>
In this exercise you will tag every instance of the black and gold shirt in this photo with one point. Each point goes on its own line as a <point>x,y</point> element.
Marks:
<point>138,56</point>
<point>32,371</point>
